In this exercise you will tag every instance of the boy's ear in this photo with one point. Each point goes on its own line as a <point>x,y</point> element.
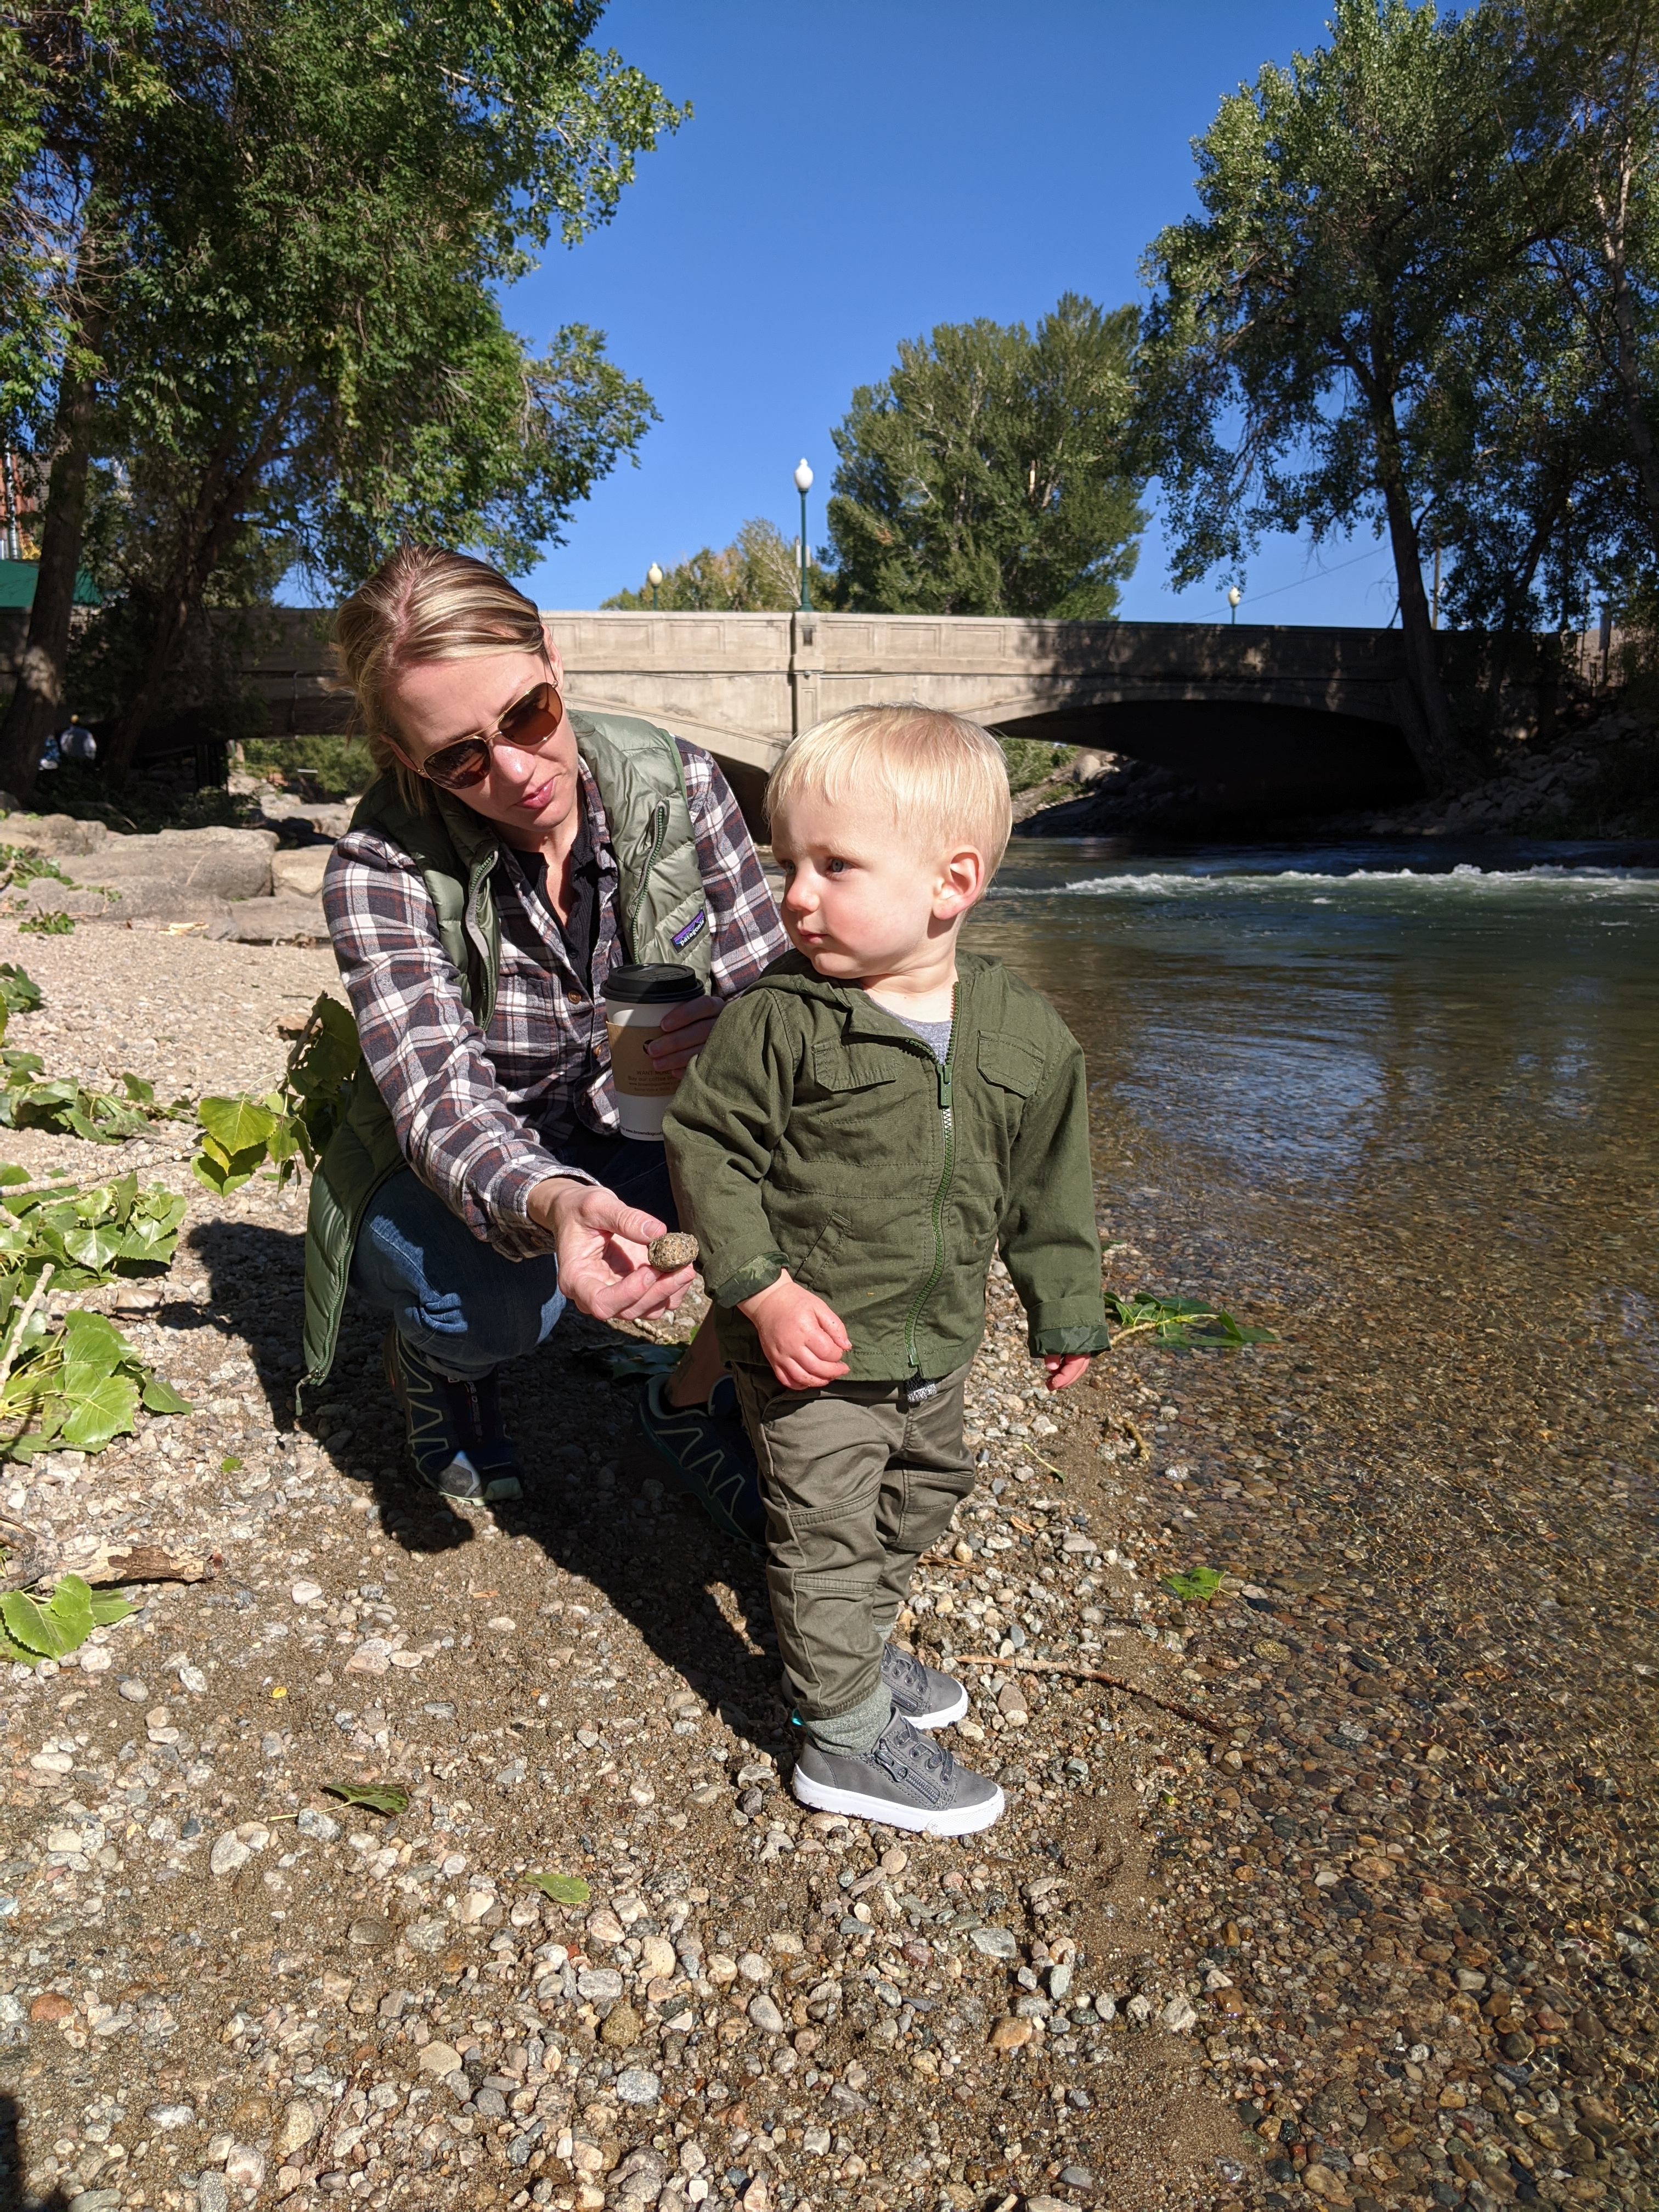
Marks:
<point>962,883</point>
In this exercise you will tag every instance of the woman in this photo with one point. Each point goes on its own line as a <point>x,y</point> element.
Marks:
<point>509,855</point>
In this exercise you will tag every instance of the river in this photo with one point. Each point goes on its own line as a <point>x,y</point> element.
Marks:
<point>1367,1073</point>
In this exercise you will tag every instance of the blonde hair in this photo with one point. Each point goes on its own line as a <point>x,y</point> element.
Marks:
<point>424,604</point>
<point>943,776</point>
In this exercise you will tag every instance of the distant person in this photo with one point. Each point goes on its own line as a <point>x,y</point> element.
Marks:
<point>868,1126</point>
<point>77,743</point>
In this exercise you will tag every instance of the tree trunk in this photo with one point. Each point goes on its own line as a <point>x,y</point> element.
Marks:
<point>222,501</point>
<point>38,701</point>
<point>1445,762</point>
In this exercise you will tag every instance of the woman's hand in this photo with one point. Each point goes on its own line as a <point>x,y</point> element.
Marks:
<point>686,1024</point>
<point>802,1339</point>
<point>601,1245</point>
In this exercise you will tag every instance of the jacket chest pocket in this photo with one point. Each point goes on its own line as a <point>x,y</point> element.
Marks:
<point>845,1067</point>
<point>1010,1063</point>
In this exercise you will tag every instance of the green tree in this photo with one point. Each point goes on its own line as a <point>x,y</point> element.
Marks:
<point>307,338</point>
<point>1355,209</point>
<point>1581,95</point>
<point>759,572</point>
<point>988,473</point>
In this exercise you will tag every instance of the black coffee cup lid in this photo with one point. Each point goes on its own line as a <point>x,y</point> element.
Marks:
<point>651,983</point>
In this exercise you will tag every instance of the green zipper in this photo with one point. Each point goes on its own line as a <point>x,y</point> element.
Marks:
<point>947,1119</point>
<point>657,832</point>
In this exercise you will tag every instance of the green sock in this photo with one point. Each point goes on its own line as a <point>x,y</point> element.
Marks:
<point>856,1731</point>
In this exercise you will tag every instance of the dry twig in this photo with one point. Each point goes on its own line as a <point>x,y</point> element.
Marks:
<point>1184,1712</point>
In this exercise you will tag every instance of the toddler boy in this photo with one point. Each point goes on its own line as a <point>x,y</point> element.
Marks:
<point>867,1125</point>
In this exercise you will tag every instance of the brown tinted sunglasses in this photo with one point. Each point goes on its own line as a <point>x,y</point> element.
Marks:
<point>529,722</point>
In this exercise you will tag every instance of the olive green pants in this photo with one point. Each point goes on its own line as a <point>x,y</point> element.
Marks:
<point>856,1482</point>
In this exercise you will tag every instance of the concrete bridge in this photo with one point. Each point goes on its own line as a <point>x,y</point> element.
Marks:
<point>1256,715</point>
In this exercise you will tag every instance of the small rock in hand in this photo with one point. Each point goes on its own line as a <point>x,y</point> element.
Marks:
<point>675,1250</point>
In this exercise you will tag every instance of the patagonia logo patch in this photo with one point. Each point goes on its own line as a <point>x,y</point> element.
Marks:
<point>695,927</point>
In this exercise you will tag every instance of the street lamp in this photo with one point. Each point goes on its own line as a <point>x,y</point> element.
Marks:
<point>803,485</point>
<point>654,577</point>
<point>1234,595</point>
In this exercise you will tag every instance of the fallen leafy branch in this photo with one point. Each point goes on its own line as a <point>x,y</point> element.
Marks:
<point>290,1124</point>
<point>76,1381</point>
<point>1184,1712</point>
<point>1187,1324</point>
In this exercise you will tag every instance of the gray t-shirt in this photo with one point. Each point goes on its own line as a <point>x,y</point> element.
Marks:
<point>937,1034</point>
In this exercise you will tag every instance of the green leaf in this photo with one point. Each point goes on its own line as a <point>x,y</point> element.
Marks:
<point>1196,1587</point>
<point>373,1797</point>
<point>109,1410</point>
<point>95,1247</point>
<point>72,1608</point>
<point>11,1174</point>
<point>33,1625</point>
<point>109,1606</point>
<point>91,1337</point>
<point>236,1125</point>
<point>562,1888</point>
<point>160,1397</point>
<point>19,992</point>
<point>138,1089</point>
<point>231,1466</point>
<point>224,1172</point>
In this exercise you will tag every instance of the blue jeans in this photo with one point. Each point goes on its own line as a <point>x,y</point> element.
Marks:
<point>458,1300</point>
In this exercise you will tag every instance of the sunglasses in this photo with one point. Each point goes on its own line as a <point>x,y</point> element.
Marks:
<point>528,722</point>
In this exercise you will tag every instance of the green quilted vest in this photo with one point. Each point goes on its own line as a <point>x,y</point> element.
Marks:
<point>638,771</point>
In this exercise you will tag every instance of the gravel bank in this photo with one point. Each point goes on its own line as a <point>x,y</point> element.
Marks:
<point>222,1986</point>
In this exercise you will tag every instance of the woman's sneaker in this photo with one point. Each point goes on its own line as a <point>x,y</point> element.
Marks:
<point>905,1780</point>
<point>709,1451</point>
<point>455,1429</point>
<point>927,1698</point>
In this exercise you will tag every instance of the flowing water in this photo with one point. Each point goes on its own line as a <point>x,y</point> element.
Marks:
<point>1316,1069</point>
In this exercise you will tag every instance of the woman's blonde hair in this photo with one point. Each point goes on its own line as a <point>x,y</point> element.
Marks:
<point>943,777</point>
<point>424,604</point>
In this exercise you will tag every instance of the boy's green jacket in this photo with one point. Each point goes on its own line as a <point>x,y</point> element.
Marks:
<point>813,1131</point>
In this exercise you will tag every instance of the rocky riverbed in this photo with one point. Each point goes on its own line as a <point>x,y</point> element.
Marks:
<point>1369,1928</point>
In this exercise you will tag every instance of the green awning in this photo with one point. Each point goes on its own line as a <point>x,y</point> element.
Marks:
<point>18,578</point>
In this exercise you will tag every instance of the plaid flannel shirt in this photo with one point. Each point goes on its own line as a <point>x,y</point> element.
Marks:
<point>481,1114</point>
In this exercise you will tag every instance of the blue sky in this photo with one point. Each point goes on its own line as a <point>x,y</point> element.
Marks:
<point>853,174</point>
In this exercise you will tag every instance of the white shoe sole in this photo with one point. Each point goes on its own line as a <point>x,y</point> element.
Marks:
<point>965,1820</point>
<point>945,1716</point>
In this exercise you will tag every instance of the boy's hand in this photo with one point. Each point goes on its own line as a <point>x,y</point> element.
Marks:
<point>1063,1372</point>
<point>802,1338</point>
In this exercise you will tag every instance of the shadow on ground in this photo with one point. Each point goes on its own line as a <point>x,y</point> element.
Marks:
<point>597,1502</point>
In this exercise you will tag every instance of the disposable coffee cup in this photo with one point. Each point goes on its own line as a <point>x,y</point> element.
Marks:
<point>636,1000</point>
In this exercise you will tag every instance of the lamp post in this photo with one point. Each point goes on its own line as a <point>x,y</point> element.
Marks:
<point>1234,595</point>
<point>654,577</point>
<point>803,485</point>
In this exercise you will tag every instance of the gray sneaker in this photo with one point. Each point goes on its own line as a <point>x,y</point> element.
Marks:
<point>904,1781</point>
<point>927,1698</point>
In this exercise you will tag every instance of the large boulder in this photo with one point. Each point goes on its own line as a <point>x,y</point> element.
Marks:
<point>284,920</point>
<point>175,875</point>
<point>300,871</point>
